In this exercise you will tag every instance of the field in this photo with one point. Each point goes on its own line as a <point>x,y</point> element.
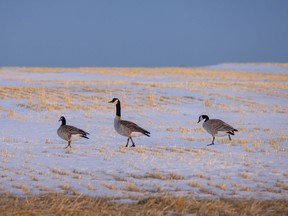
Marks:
<point>173,171</point>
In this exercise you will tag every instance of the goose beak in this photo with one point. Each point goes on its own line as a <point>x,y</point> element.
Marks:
<point>198,121</point>
<point>110,102</point>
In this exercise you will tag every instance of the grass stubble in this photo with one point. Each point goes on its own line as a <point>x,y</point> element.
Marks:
<point>62,204</point>
<point>209,82</point>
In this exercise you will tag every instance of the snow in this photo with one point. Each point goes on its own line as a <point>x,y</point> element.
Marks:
<point>174,160</point>
<point>266,68</point>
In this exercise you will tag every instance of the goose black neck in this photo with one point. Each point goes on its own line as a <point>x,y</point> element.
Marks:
<point>118,109</point>
<point>206,118</point>
<point>63,121</point>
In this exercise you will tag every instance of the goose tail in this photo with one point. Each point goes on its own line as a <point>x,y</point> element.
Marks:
<point>147,133</point>
<point>84,136</point>
<point>232,131</point>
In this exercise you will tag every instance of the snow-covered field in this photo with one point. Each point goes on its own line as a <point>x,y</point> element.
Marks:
<point>165,101</point>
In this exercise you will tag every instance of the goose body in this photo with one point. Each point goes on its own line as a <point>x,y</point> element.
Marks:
<point>70,133</point>
<point>216,127</point>
<point>126,128</point>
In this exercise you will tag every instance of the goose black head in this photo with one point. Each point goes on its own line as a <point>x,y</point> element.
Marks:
<point>62,118</point>
<point>114,100</point>
<point>201,117</point>
<point>118,106</point>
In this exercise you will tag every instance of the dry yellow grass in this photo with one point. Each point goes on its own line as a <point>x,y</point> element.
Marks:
<point>134,188</point>
<point>61,204</point>
<point>175,176</point>
<point>24,188</point>
<point>276,143</point>
<point>282,185</point>
<point>245,188</point>
<point>193,183</point>
<point>159,175</point>
<point>64,97</point>
<point>155,175</point>
<point>206,191</point>
<point>171,70</point>
<point>44,98</point>
<point>245,175</point>
<point>59,171</point>
<point>221,186</point>
<point>69,189</point>
<point>110,186</point>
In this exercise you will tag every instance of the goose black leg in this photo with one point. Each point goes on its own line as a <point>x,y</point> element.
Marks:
<point>212,142</point>
<point>133,144</point>
<point>69,145</point>
<point>229,137</point>
<point>127,142</point>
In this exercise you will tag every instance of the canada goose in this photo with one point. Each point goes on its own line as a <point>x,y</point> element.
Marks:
<point>69,133</point>
<point>126,128</point>
<point>216,127</point>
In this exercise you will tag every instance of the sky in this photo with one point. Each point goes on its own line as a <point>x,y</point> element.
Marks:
<point>142,33</point>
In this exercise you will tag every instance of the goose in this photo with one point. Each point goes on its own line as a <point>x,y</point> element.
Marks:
<point>216,127</point>
<point>126,128</point>
<point>69,133</point>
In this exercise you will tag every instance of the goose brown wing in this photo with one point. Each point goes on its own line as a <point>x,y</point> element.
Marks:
<point>134,127</point>
<point>219,125</point>
<point>73,130</point>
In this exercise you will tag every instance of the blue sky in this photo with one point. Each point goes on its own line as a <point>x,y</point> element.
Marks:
<point>142,33</point>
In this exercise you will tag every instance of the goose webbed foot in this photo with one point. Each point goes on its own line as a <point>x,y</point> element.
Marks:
<point>133,144</point>
<point>212,142</point>
<point>69,145</point>
<point>127,142</point>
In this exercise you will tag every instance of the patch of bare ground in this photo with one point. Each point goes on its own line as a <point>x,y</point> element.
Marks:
<point>61,204</point>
